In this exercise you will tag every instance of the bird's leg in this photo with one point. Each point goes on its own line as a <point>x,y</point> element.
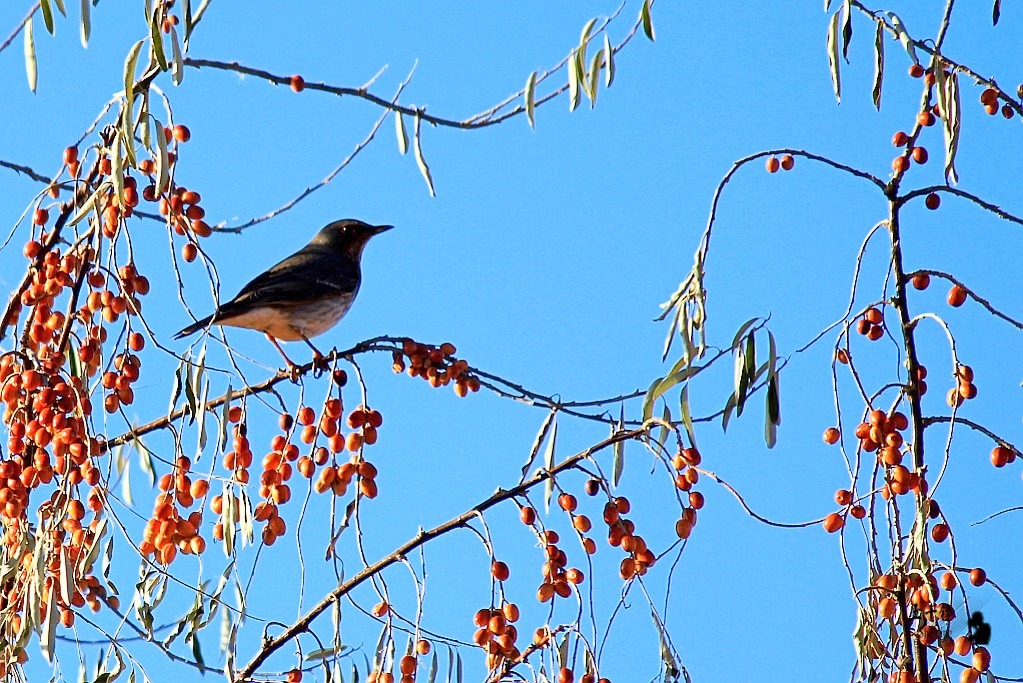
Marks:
<point>292,368</point>
<point>319,360</point>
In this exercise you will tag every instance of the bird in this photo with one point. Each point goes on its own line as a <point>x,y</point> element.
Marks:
<point>303,295</point>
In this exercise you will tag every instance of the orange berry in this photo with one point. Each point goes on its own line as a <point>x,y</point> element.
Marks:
<point>956,296</point>
<point>900,164</point>
<point>787,162</point>
<point>900,139</point>
<point>499,570</point>
<point>978,577</point>
<point>932,201</point>
<point>294,676</point>
<point>772,165</point>
<point>189,252</point>
<point>981,659</point>
<point>921,281</point>
<point>925,118</point>
<point>527,515</point>
<point>833,522</point>
<point>916,70</point>
<point>297,83</point>
<point>920,155</point>
<point>181,133</point>
<point>939,532</point>
<point>831,436</point>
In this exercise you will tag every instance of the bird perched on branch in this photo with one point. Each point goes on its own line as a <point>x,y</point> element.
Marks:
<point>304,295</point>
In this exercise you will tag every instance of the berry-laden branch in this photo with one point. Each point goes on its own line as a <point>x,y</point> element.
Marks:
<point>302,624</point>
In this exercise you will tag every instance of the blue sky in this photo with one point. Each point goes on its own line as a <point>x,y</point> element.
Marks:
<point>544,257</point>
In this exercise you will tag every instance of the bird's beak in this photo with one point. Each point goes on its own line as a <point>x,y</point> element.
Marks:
<point>377,229</point>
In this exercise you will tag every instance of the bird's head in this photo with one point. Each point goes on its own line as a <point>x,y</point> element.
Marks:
<point>348,235</point>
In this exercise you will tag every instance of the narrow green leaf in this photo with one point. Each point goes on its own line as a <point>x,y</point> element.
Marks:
<point>598,59</point>
<point>432,676</point>
<point>742,332</point>
<point>847,29</point>
<point>681,372</point>
<point>573,81</point>
<point>48,636</point>
<point>530,96</point>
<point>61,8</point>
<point>687,415</point>
<point>399,132</point>
<point>129,74</point>
<point>162,161</point>
<point>666,419</point>
<point>31,68</point>
<point>117,169</point>
<point>548,461</point>
<point>145,460</point>
<point>878,65</point>
<point>827,5</point>
<point>126,484</point>
<point>618,461</point>
<point>44,5</point>
<point>420,159</point>
<point>609,73</point>
<point>833,63</point>
<point>584,37</point>
<point>177,67</point>
<point>727,412</point>
<point>648,21</point>
<point>90,203</point>
<point>538,442</point>
<point>86,23</point>
<point>903,35</point>
<point>197,17</point>
<point>157,42</point>
<point>176,387</point>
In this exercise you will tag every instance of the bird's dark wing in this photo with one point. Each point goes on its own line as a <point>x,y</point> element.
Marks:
<point>310,274</point>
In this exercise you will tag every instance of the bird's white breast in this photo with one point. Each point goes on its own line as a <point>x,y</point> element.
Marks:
<point>292,323</point>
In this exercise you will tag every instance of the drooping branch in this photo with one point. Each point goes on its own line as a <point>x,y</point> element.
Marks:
<point>302,624</point>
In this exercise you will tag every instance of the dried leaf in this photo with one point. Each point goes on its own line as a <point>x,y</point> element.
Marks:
<point>948,95</point>
<point>996,12</point>
<point>878,65</point>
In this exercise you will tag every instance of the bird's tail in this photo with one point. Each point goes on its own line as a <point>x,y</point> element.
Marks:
<point>194,327</point>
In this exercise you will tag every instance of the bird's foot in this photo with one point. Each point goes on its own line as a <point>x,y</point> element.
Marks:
<point>294,372</point>
<point>320,364</point>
